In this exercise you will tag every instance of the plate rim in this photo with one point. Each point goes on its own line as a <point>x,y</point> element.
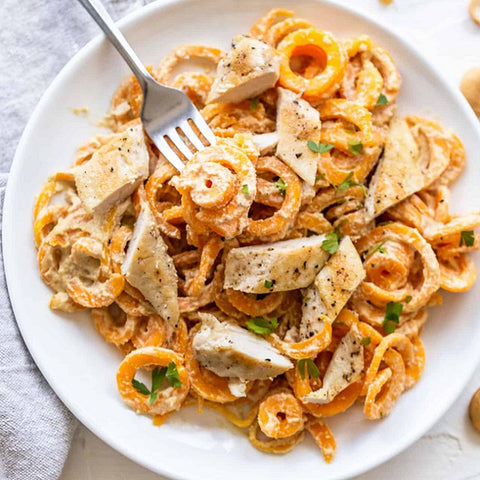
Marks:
<point>8,244</point>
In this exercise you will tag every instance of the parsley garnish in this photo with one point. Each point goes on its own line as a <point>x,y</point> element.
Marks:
<point>392,316</point>
<point>254,104</point>
<point>366,341</point>
<point>262,326</point>
<point>268,284</point>
<point>347,183</point>
<point>408,299</point>
<point>330,244</point>
<point>319,147</point>
<point>158,376</point>
<point>382,100</point>
<point>245,189</point>
<point>312,369</point>
<point>378,247</point>
<point>320,176</point>
<point>281,185</point>
<point>355,146</point>
<point>467,238</point>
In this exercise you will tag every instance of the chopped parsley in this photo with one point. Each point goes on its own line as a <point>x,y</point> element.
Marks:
<point>158,376</point>
<point>330,244</point>
<point>382,100</point>
<point>355,146</point>
<point>320,176</point>
<point>347,183</point>
<point>254,104</point>
<point>408,299</point>
<point>365,341</point>
<point>281,185</point>
<point>319,147</point>
<point>312,369</point>
<point>376,248</point>
<point>262,326</point>
<point>392,316</point>
<point>245,189</point>
<point>467,238</point>
<point>268,283</point>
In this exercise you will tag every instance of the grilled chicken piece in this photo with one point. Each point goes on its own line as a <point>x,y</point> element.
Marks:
<point>149,268</point>
<point>341,275</point>
<point>275,267</point>
<point>297,123</point>
<point>237,387</point>
<point>266,142</point>
<point>345,368</point>
<point>231,351</point>
<point>398,173</point>
<point>114,171</point>
<point>250,68</point>
<point>314,313</point>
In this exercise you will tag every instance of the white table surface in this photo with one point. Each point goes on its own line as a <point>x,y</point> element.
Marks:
<point>451,450</point>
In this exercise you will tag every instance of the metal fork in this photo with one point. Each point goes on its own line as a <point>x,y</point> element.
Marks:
<point>165,111</point>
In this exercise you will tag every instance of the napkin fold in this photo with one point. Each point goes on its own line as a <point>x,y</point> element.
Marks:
<point>37,38</point>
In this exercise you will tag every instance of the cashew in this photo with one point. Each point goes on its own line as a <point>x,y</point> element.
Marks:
<point>470,85</point>
<point>474,10</point>
<point>474,410</point>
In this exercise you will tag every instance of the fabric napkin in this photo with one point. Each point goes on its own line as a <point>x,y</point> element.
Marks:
<point>37,38</point>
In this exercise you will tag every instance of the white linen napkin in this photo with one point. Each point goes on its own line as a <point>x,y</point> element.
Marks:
<point>37,37</point>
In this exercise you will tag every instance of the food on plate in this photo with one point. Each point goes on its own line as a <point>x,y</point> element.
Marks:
<point>285,274</point>
<point>470,87</point>
<point>474,410</point>
<point>474,10</point>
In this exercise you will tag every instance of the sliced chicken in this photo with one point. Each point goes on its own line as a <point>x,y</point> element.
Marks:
<point>114,171</point>
<point>266,142</point>
<point>150,268</point>
<point>237,387</point>
<point>398,173</point>
<point>232,351</point>
<point>314,313</point>
<point>341,275</point>
<point>275,267</point>
<point>297,123</point>
<point>250,68</point>
<point>345,368</point>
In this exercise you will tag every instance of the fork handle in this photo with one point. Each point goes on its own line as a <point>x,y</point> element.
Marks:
<point>105,22</point>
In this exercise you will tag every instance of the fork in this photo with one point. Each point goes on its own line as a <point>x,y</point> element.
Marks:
<point>166,112</point>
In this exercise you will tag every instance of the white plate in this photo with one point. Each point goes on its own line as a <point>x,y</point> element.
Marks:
<point>81,367</point>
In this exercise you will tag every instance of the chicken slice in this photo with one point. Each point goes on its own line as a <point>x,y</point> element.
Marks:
<point>398,173</point>
<point>266,142</point>
<point>297,123</point>
<point>314,313</point>
<point>114,171</point>
<point>275,267</point>
<point>231,351</point>
<point>148,267</point>
<point>341,275</point>
<point>248,69</point>
<point>237,387</point>
<point>345,368</point>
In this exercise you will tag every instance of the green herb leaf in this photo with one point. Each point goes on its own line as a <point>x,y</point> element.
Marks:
<point>376,248</point>
<point>366,341</point>
<point>281,185</point>
<point>319,147</point>
<point>355,146</point>
<point>330,244</point>
<point>172,375</point>
<point>262,326</point>
<point>312,369</point>
<point>392,316</point>
<point>152,398</point>
<point>245,189</point>
<point>467,238</point>
<point>254,104</point>
<point>140,387</point>
<point>268,284</point>
<point>158,375</point>
<point>382,100</point>
<point>348,182</point>
<point>320,176</point>
<point>408,299</point>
